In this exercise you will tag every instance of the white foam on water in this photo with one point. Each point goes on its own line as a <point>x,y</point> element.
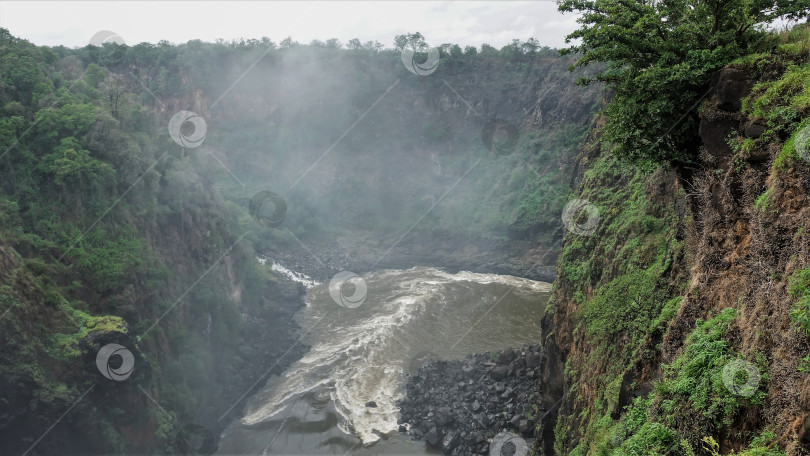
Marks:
<point>299,277</point>
<point>356,355</point>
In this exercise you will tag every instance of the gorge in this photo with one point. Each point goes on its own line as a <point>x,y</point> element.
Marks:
<point>252,247</point>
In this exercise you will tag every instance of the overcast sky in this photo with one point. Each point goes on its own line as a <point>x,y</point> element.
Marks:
<point>73,23</point>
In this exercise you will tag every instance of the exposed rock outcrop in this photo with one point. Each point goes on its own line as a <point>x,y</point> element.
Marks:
<point>458,406</point>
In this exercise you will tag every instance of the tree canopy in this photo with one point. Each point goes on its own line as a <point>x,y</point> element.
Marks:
<point>659,56</point>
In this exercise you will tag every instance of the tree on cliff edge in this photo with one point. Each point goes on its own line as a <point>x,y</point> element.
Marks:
<point>660,55</point>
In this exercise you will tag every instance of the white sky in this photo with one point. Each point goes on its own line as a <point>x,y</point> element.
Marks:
<point>72,23</point>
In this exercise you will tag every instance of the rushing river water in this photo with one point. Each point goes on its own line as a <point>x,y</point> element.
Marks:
<point>363,353</point>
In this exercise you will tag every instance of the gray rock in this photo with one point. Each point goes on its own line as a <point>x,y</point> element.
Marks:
<point>507,356</point>
<point>499,372</point>
<point>754,130</point>
<point>526,427</point>
<point>433,436</point>
<point>442,417</point>
<point>450,441</point>
<point>533,360</point>
<point>468,370</point>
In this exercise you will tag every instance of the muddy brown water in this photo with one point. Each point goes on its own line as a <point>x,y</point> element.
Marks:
<point>363,350</point>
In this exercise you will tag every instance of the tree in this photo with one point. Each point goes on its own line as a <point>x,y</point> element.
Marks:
<point>112,87</point>
<point>373,46</point>
<point>658,57</point>
<point>22,72</point>
<point>530,46</point>
<point>94,75</point>
<point>414,41</point>
<point>354,43</point>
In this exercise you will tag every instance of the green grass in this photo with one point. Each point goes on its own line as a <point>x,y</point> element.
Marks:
<point>616,275</point>
<point>783,106</point>
<point>691,403</point>
<point>799,288</point>
<point>68,344</point>
<point>762,200</point>
<point>693,390</point>
<point>762,445</point>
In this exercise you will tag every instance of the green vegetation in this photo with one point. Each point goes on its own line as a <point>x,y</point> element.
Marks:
<point>623,302</point>
<point>688,405</point>
<point>107,221</point>
<point>659,57</point>
<point>800,289</point>
<point>782,105</point>
<point>693,394</point>
<point>762,445</point>
<point>763,200</point>
<point>98,231</point>
<point>625,284</point>
<point>69,343</point>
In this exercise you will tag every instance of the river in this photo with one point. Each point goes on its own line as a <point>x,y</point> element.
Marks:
<point>363,350</point>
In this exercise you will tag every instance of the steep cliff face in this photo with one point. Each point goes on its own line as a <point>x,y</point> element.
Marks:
<point>109,234</point>
<point>219,326</point>
<point>485,144</point>
<point>676,326</point>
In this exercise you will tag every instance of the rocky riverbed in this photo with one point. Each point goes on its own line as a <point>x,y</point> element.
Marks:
<point>464,407</point>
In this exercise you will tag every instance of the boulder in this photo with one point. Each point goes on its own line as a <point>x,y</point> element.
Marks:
<point>499,372</point>
<point>714,131</point>
<point>730,87</point>
<point>533,360</point>
<point>754,130</point>
<point>371,404</point>
<point>526,427</point>
<point>507,356</point>
<point>433,436</point>
<point>450,441</point>
<point>468,370</point>
<point>442,417</point>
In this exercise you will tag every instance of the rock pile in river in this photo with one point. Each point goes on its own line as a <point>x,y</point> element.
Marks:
<point>458,406</point>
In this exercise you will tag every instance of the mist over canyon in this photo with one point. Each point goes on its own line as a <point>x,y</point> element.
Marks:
<point>260,247</point>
